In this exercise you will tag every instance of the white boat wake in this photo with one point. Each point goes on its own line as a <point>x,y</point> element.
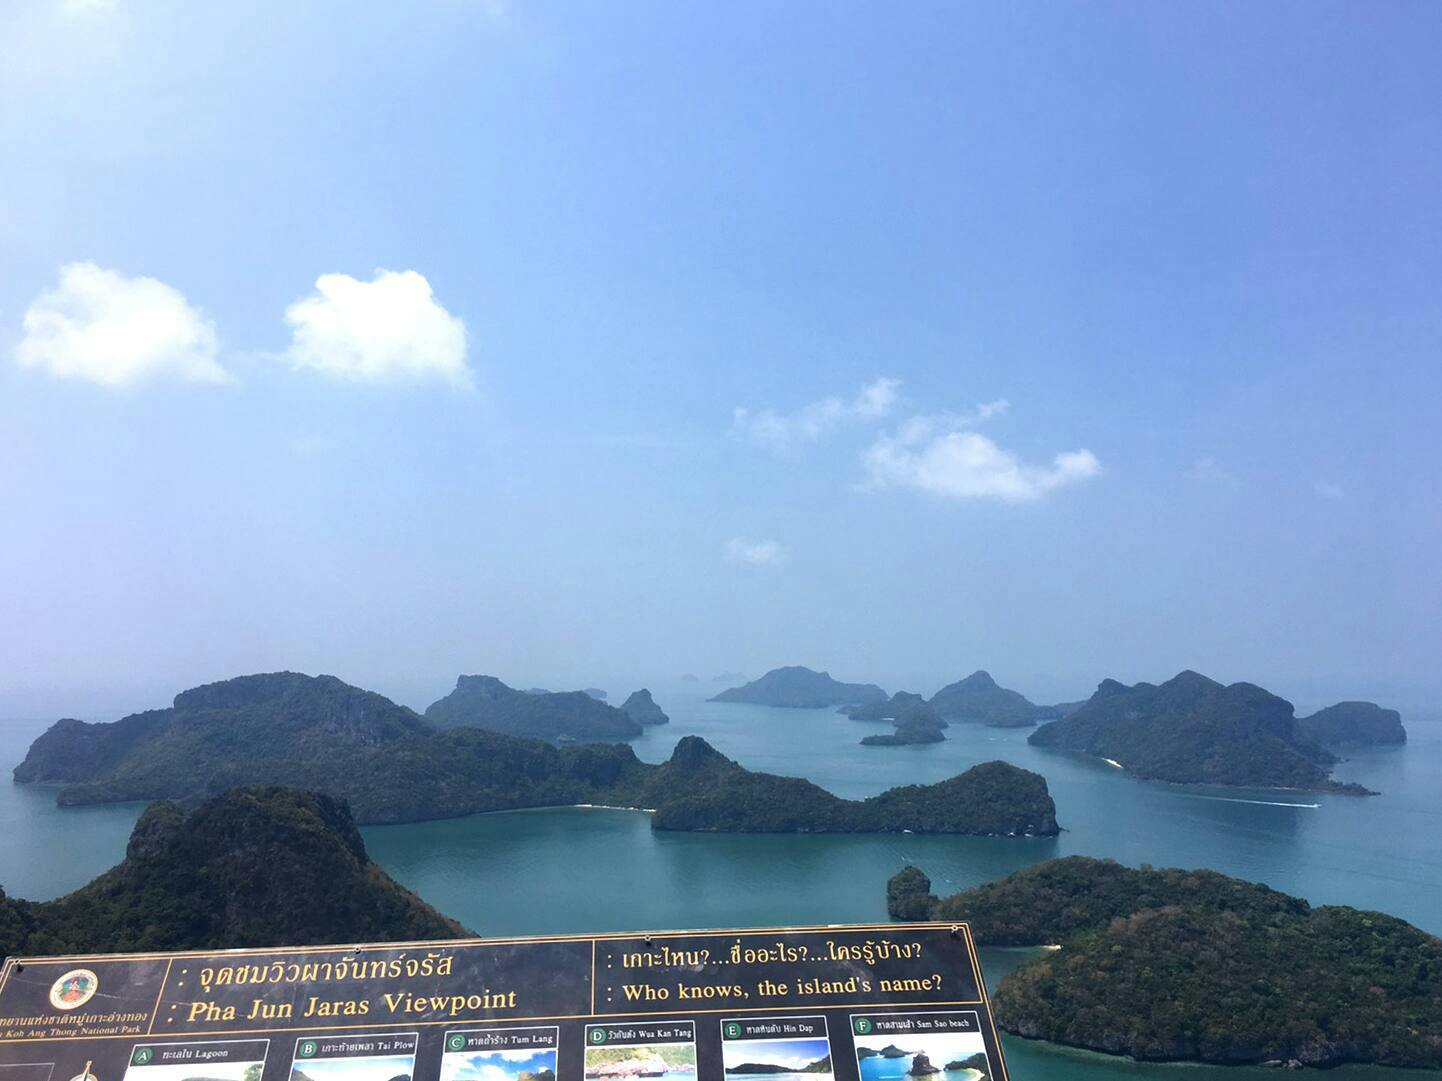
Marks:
<point>1258,802</point>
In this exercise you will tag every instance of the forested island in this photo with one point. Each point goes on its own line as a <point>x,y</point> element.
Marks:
<point>796,687</point>
<point>391,765</point>
<point>914,724</point>
<point>486,702</point>
<point>1194,730</point>
<point>1194,965</point>
<point>978,698</point>
<point>1353,723</point>
<point>643,709</point>
<point>295,857</point>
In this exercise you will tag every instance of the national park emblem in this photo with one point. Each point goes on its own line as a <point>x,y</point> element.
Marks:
<point>74,989</point>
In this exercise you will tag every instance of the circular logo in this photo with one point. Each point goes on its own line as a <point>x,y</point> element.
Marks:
<point>457,1042</point>
<point>733,1030</point>
<point>307,1048</point>
<point>74,989</point>
<point>142,1056</point>
<point>863,1026</point>
<point>596,1035</point>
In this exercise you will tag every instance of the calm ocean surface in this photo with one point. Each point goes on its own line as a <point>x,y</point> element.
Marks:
<point>532,872</point>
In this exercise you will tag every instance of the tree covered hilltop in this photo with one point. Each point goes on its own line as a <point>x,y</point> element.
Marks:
<point>392,765</point>
<point>258,866</point>
<point>1194,730</point>
<point>1194,965</point>
<point>796,687</point>
<point>486,702</point>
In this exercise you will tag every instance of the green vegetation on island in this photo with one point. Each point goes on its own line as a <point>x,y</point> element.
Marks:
<point>1358,723</point>
<point>259,866</point>
<point>801,688</point>
<point>821,1065</point>
<point>486,702</point>
<point>916,724</point>
<point>643,709</point>
<point>1194,730</point>
<point>390,766</point>
<point>1194,965</point>
<point>893,709</point>
<point>979,698</point>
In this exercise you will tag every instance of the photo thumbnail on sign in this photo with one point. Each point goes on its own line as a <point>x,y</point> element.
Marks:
<point>945,1046</point>
<point>500,1054</point>
<point>378,1057</point>
<point>665,1050</point>
<point>213,1060</point>
<point>776,1048</point>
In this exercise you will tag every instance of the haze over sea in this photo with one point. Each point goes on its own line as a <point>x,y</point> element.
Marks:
<point>548,871</point>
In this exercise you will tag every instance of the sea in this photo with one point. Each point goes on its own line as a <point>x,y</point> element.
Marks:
<point>598,869</point>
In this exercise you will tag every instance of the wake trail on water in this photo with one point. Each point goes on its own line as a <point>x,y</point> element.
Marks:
<point>1258,802</point>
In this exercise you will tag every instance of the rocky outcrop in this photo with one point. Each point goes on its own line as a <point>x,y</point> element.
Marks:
<point>643,709</point>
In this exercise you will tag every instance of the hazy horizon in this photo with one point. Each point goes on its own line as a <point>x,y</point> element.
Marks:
<point>599,344</point>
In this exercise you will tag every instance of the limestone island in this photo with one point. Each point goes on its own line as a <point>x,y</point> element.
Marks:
<point>295,857</point>
<point>915,723</point>
<point>1194,730</point>
<point>977,699</point>
<point>642,708</point>
<point>1353,724</point>
<point>1174,965</point>
<point>569,716</point>
<point>796,687</point>
<point>392,765</point>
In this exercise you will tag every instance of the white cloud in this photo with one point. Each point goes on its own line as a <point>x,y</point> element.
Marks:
<point>1328,490</point>
<point>1209,471</point>
<point>758,553</point>
<point>389,328</point>
<point>102,326</point>
<point>939,455</point>
<point>779,431</point>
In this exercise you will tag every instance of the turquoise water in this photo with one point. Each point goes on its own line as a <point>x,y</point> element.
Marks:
<point>533,872</point>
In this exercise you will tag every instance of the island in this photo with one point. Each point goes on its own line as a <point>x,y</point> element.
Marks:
<point>1176,965</point>
<point>821,1065</point>
<point>1194,730</point>
<point>570,716</point>
<point>392,765</point>
<point>642,708</point>
<point>891,709</point>
<point>914,724</point>
<point>796,687</point>
<point>978,698</point>
<point>1353,723</point>
<point>295,857</point>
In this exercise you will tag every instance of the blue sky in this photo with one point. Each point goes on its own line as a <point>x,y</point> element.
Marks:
<point>396,341</point>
